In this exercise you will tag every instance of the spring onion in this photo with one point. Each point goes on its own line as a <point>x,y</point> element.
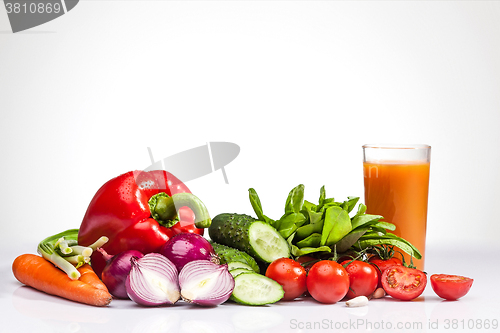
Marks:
<point>63,251</point>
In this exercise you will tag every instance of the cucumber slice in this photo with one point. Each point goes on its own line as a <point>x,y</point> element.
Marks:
<point>238,271</point>
<point>255,289</point>
<point>245,233</point>
<point>238,264</point>
<point>267,243</point>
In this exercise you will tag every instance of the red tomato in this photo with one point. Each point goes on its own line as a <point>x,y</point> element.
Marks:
<point>290,274</point>
<point>327,281</point>
<point>304,259</point>
<point>404,283</point>
<point>450,287</point>
<point>382,265</point>
<point>363,278</point>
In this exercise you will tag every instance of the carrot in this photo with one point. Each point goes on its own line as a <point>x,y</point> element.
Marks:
<point>37,272</point>
<point>89,276</point>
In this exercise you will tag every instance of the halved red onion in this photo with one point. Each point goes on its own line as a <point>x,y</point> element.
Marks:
<point>153,280</point>
<point>205,283</point>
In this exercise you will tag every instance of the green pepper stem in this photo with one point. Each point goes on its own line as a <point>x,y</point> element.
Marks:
<point>164,209</point>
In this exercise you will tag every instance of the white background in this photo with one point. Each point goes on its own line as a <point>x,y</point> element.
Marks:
<point>299,86</point>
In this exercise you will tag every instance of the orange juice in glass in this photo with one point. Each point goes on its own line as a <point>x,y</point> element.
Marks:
<point>396,179</point>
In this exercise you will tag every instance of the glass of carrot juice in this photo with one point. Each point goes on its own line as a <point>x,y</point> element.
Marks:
<point>396,179</point>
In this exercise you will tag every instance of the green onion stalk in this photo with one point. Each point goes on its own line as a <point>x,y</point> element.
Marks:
<point>63,251</point>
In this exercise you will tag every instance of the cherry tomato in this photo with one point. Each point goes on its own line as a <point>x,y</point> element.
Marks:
<point>382,265</point>
<point>290,275</point>
<point>404,283</point>
<point>304,259</point>
<point>311,261</point>
<point>363,278</point>
<point>327,281</point>
<point>450,287</point>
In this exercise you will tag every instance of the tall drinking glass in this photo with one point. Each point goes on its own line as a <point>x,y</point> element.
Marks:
<point>396,181</point>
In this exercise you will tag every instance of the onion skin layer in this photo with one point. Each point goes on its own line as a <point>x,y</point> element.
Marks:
<point>153,281</point>
<point>196,274</point>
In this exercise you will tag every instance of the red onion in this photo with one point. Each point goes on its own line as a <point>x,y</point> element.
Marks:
<point>153,280</point>
<point>186,247</point>
<point>205,283</point>
<point>116,271</point>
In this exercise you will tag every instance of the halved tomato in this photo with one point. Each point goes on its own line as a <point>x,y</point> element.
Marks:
<point>450,287</point>
<point>404,283</point>
<point>382,265</point>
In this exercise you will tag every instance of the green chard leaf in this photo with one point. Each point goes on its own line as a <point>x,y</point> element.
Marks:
<point>315,226</point>
<point>374,238</point>
<point>361,209</point>
<point>295,200</point>
<point>305,231</point>
<point>312,241</point>
<point>337,225</point>
<point>385,225</point>
<point>314,218</point>
<point>364,219</point>
<point>309,206</point>
<point>380,231</point>
<point>322,196</point>
<point>308,250</point>
<point>350,239</point>
<point>349,204</point>
<point>327,203</point>
<point>257,207</point>
<point>289,223</point>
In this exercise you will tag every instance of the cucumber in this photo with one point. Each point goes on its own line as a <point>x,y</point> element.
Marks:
<point>238,271</point>
<point>243,232</point>
<point>229,255</point>
<point>255,289</point>
<point>238,264</point>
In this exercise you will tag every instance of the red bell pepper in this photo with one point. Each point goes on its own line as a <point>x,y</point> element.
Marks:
<point>140,211</point>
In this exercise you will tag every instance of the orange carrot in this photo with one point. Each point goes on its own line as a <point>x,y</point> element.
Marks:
<point>41,274</point>
<point>89,276</point>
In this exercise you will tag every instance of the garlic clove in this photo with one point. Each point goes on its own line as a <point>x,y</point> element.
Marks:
<point>357,302</point>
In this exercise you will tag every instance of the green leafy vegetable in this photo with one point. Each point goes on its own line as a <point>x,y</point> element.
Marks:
<point>372,239</point>
<point>257,206</point>
<point>312,241</point>
<point>325,226</point>
<point>337,225</point>
<point>295,200</point>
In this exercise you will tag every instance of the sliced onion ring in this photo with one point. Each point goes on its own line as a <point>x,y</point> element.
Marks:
<point>153,280</point>
<point>205,283</point>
